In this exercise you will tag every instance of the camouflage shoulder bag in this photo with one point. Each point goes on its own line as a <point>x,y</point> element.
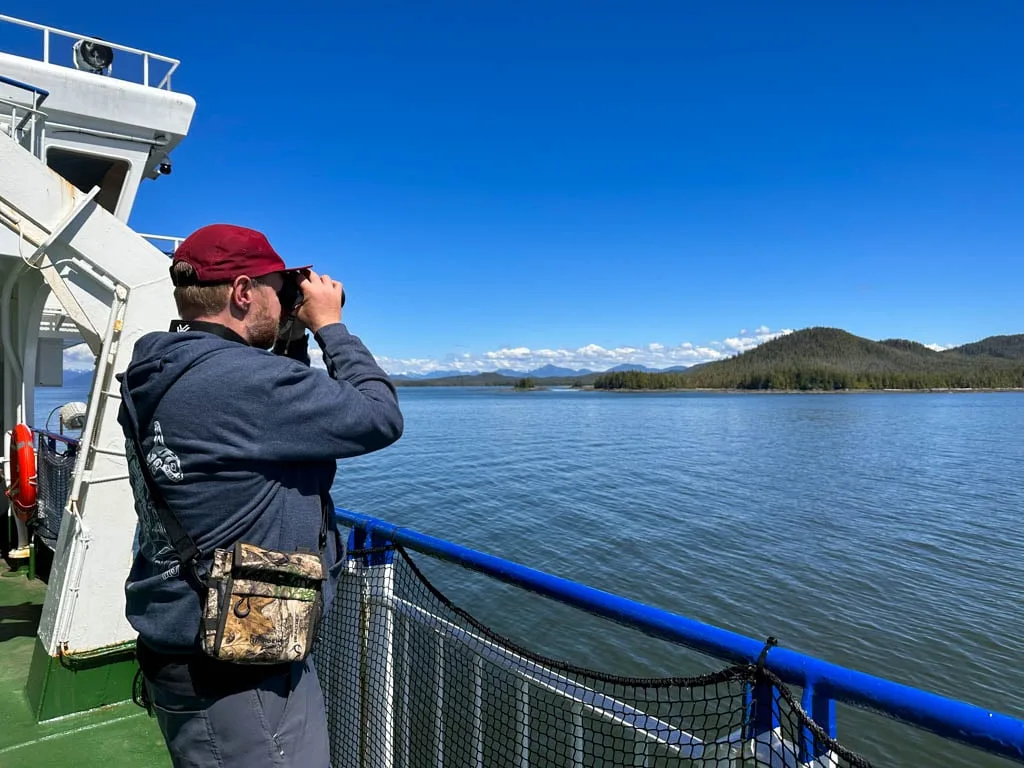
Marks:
<point>259,606</point>
<point>262,606</point>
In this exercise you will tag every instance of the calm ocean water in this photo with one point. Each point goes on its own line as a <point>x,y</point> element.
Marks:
<point>878,531</point>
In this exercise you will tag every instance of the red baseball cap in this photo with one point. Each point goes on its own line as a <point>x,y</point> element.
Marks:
<point>221,252</point>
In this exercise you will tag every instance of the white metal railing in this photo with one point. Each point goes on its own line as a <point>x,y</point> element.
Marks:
<point>147,56</point>
<point>174,241</point>
<point>28,125</point>
<point>57,324</point>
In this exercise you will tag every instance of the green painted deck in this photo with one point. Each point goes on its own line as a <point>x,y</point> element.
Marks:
<point>114,736</point>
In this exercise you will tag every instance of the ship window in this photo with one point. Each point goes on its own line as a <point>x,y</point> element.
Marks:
<point>88,171</point>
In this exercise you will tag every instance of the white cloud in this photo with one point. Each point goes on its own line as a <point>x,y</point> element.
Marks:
<point>506,354</point>
<point>592,356</point>
<point>940,347</point>
<point>316,356</point>
<point>79,358</point>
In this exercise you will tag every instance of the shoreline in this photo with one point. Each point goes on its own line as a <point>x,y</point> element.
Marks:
<point>724,390</point>
<point>931,390</point>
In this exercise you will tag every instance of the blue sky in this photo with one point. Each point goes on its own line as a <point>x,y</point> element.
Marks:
<point>575,182</point>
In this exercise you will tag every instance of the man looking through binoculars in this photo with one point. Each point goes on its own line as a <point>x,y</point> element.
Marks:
<point>230,444</point>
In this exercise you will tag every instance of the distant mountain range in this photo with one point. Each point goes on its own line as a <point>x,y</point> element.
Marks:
<point>545,372</point>
<point>77,378</point>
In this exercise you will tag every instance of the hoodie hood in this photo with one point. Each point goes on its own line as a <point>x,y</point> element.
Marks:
<point>159,361</point>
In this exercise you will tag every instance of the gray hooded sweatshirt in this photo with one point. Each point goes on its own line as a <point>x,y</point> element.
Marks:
<point>243,445</point>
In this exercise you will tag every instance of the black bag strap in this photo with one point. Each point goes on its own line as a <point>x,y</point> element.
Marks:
<point>326,508</point>
<point>188,553</point>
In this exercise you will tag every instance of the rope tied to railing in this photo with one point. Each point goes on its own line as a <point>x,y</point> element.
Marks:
<point>770,643</point>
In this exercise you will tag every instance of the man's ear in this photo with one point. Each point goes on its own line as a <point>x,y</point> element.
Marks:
<point>242,290</point>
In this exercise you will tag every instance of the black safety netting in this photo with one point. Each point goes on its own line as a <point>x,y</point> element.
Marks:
<point>410,679</point>
<point>54,469</point>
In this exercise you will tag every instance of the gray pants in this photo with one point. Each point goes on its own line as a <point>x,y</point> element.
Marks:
<point>280,724</point>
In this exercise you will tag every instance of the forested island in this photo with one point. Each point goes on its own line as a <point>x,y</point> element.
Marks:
<point>831,359</point>
<point>813,359</point>
<point>525,385</point>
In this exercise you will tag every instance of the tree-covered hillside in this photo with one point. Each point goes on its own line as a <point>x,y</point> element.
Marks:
<point>1006,347</point>
<point>831,359</point>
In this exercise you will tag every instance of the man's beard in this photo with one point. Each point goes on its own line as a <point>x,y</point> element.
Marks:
<point>263,329</point>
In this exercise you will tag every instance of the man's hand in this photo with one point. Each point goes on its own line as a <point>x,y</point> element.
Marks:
<point>322,301</point>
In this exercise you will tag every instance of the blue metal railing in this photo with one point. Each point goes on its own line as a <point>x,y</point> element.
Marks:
<point>823,683</point>
<point>32,114</point>
<point>41,93</point>
<point>71,441</point>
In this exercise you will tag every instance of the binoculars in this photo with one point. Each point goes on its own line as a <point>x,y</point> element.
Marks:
<point>291,297</point>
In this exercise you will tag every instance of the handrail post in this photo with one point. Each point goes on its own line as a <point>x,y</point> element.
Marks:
<point>377,654</point>
<point>46,46</point>
<point>761,706</point>
<point>145,69</point>
<point>822,710</point>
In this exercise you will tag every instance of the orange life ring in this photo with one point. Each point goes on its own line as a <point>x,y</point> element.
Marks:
<point>22,490</point>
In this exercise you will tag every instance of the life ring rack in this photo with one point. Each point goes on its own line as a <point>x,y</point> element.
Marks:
<point>23,480</point>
